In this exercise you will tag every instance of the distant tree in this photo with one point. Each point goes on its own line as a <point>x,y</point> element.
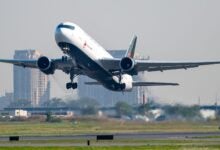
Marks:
<point>48,116</point>
<point>144,108</point>
<point>83,103</point>
<point>88,106</point>
<point>52,119</point>
<point>123,108</point>
<point>187,112</point>
<point>21,103</point>
<point>73,103</point>
<point>54,102</point>
<point>90,110</point>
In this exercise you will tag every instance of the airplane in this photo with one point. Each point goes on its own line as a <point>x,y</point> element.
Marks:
<point>84,56</point>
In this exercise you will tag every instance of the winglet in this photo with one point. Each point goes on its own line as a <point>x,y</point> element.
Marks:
<point>131,49</point>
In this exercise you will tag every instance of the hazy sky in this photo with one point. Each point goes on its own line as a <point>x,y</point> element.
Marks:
<point>166,30</point>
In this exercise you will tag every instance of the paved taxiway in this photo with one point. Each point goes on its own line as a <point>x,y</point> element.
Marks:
<point>138,136</point>
<point>65,140</point>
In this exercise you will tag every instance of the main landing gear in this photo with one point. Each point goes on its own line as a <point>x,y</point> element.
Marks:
<point>122,85</point>
<point>71,84</point>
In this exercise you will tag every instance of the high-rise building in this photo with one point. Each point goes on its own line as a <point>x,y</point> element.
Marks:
<point>6,100</point>
<point>30,84</point>
<point>105,97</point>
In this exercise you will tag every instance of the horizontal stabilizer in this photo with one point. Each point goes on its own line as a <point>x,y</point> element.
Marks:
<point>92,83</point>
<point>154,84</point>
<point>141,83</point>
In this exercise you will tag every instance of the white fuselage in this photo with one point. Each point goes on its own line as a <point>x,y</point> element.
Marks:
<point>82,40</point>
<point>87,53</point>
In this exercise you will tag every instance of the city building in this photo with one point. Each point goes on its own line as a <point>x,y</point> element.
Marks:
<point>30,84</point>
<point>105,97</point>
<point>6,100</point>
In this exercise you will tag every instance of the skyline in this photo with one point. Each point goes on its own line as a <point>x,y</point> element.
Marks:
<point>167,30</point>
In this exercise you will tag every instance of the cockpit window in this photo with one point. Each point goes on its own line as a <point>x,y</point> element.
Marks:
<point>66,26</point>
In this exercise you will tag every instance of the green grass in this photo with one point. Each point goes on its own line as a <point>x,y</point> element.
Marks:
<point>101,126</point>
<point>91,125</point>
<point>115,148</point>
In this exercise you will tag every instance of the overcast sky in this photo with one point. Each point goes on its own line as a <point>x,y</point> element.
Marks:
<point>166,30</point>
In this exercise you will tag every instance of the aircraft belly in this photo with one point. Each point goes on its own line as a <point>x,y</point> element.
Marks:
<point>91,68</point>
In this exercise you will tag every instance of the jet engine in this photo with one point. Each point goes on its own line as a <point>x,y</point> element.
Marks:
<point>45,65</point>
<point>127,64</point>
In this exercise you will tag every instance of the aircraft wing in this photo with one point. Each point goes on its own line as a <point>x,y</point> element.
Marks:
<point>23,63</point>
<point>147,65</point>
<point>60,64</point>
<point>113,65</point>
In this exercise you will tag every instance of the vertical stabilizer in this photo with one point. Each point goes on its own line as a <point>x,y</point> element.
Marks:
<point>131,49</point>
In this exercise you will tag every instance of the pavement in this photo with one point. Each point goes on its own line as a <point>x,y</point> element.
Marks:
<point>138,136</point>
<point>29,140</point>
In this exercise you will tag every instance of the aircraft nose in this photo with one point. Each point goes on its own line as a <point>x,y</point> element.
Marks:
<point>59,30</point>
<point>60,34</point>
<point>64,33</point>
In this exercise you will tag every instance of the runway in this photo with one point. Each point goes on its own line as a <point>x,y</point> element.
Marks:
<point>120,139</point>
<point>122,136</point>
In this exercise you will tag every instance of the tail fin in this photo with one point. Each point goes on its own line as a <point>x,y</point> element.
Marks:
<point>131,49</point>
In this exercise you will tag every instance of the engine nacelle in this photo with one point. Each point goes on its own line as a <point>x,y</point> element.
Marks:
<point>127,64</point>
<point>126,82</point>
<point>45,65</point>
